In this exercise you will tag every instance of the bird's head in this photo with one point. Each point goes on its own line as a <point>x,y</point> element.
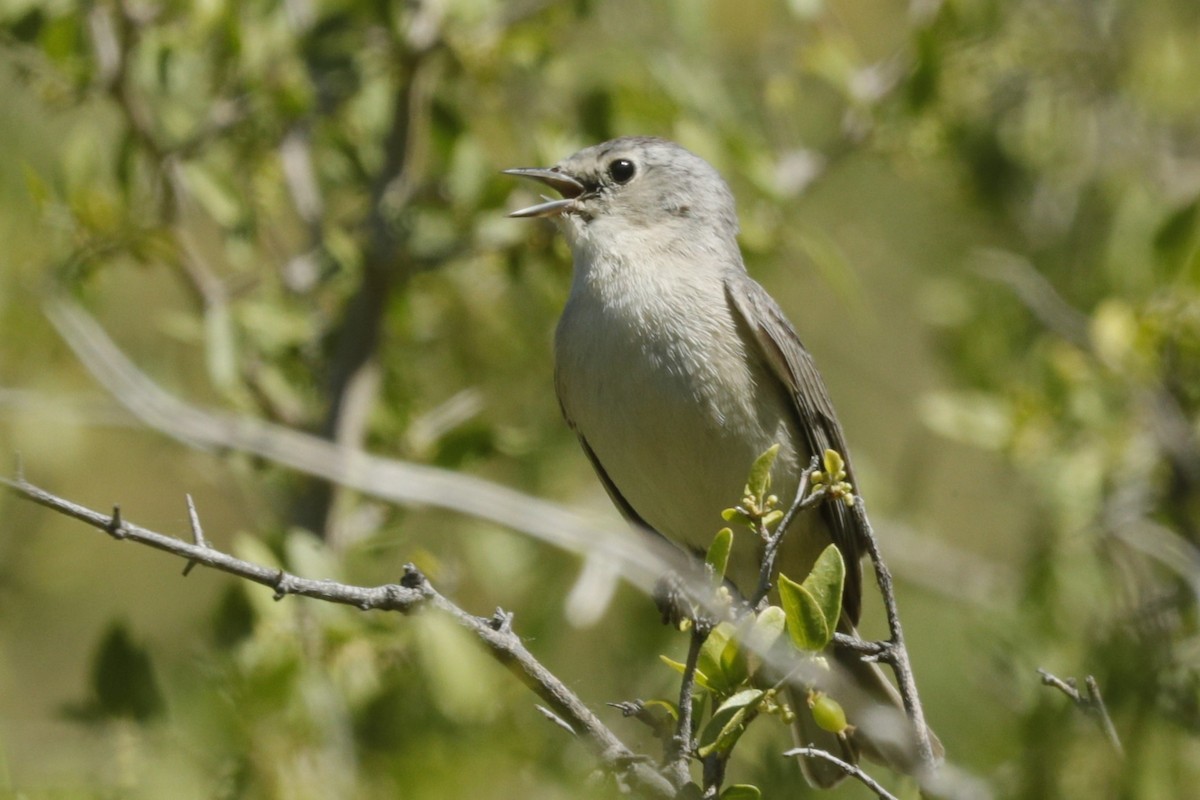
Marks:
<point>636,181</point>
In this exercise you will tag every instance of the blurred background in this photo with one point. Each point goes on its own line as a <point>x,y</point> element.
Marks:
<point>981,216</point>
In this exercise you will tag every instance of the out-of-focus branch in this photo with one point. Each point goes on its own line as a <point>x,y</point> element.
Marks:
<point>641,559</point>
<point>1092,703</point>
<point>350,389</point>
<point>1036,293</point>
<point>412,593</point>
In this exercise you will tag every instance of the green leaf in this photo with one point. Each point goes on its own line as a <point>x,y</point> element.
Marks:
<point>734,669</point>
<point>728,722</point>
<point>805,621</point>
<point>759,479</point>
<point>768,627</point>
<point>718,553</point>
<point>734,515</point>
<point>825,583</point>
<point>1178,229</point>
<point>741,791</point>
<point>665,706</point>
<point>709,661</point>
<point>835,467</point>
<point>123,678</point>
<point>62,38</point>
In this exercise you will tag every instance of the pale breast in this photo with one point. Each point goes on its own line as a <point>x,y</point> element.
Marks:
<point>658,379</point>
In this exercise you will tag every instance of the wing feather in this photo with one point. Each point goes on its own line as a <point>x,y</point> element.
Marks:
<point>791,363</point>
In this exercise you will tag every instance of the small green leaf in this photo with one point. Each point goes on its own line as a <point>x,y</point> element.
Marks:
<point>666,707</point>
<point>710,662</point>
<point>742,791</point>
<point>805,620</point>
<point>759,479</point>
<point>734,669</point>
<point>835,467</point>
<point>767,629</point>
<point>728,722</point>
<point>718,553</point>
<point>825,583</point>
<point>734,515</point>
<point>673,664</point>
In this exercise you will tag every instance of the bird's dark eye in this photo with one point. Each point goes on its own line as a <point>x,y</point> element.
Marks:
<point>621,170</point>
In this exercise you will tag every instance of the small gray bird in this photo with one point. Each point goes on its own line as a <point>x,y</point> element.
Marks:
<point>676,370</point>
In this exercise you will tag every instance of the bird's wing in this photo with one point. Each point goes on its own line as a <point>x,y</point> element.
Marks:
<point>781,348</point>
<point>618,500</point>
<point>613,492</point>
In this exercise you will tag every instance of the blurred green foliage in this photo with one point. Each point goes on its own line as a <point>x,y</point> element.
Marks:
<point>983,217</point>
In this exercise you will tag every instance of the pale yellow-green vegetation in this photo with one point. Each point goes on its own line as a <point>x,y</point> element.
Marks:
<point>981,216</point>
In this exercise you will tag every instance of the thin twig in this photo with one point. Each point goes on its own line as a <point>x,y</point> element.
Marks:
<point>1092,703</point>
<point>771,551</point>
<point>681,749</point>
<point>851,770</point>
<point>1037,293</point>
<point>1097,701</point>
<point>411,593</point>
<point>387,267</point>
<point>642,560</point>
<point>896,654</point>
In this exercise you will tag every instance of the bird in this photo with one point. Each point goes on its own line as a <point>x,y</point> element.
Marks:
<point>676,370</point>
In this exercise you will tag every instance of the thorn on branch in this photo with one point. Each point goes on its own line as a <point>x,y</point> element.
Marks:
<point>18,468</point>
<point>197,534</point>
<point>281,585</point>
<point>116,525</point>
<point>660,723</point>
<point>501,621</point>
<point>555,718</point>
<point>413,578</point>
<point>628,708</point>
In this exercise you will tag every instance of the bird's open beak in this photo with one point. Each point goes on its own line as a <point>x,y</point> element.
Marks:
<point>561,182</point>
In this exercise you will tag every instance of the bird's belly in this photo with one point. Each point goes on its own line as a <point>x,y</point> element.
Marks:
<point>676,424</point>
